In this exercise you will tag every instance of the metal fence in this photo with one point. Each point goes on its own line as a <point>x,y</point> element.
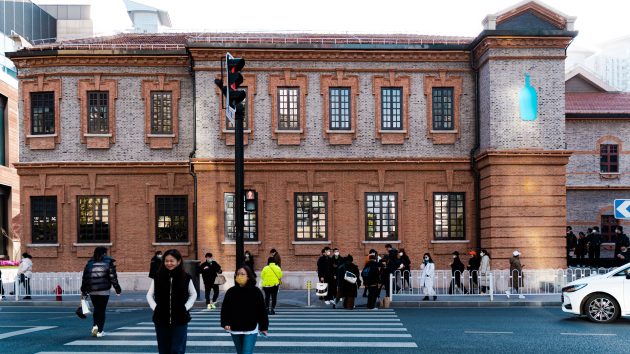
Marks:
<point>44,284</point>
<point>407,284</point>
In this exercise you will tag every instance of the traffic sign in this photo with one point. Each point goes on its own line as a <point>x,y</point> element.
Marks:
<point>622,208</point>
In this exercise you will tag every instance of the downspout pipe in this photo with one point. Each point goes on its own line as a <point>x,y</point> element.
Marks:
<point>191,156</point>
<point>473,152</point>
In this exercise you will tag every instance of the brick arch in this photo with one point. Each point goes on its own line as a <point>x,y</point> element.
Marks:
<point>608,138</point>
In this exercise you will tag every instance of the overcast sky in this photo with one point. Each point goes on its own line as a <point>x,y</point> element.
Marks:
<point>597,21</point>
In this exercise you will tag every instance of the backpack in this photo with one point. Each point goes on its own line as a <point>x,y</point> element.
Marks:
<point>365,273</point>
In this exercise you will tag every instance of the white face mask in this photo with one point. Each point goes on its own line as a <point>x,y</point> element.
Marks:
<point>402,254</point>
<point>426,258</point>
<point>454,256</point>
<point>336,254</point>
<point>481,254</point>
<point>328,253</point>
<point>209,260</point>
<point>159,256</point>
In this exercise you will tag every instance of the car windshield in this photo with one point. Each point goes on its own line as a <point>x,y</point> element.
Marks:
<point>620,271</point>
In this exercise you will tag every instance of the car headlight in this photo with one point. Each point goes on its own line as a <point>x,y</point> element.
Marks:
<point>572,288</point>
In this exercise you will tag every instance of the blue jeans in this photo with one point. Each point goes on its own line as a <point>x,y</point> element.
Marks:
<point>244,343</point>
<point>171,339</point>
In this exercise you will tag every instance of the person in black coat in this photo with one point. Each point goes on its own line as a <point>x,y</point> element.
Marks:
<point>405,262</point>
<point>371,277</point>
<point>155,264</point>
<point>594,246</point>
<point>99,275</point>
<point>243,313</point>
<point>621,240</point>
<point>249,260</point>
<point>325,274</point>
<point>457,269</point>
<point>171,296</point>
<point>473,267</point>
<point>581,249</point>
<point>571,244</point>
<point>209,271</point>
<point>347,288</point>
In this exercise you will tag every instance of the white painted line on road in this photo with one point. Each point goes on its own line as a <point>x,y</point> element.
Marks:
<point>335,315</point>
<point>283,323</point>
<point>142,353</point>
<point>487,332</point>
<point>24,331</point>
<point>273,328</point>
<point>325,320</point>
<point>259,343</point>
<point>588,334</point>
<point>272,334</point>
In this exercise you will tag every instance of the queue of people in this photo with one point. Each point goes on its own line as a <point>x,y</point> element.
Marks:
<point>584,249</point>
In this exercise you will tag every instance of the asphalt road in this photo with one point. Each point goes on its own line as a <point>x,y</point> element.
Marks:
<point>48,330</point>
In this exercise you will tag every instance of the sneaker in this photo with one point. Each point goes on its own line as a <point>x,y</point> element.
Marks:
<point>273,312</point>
<point>507,293</point>
<point>213,306</point>
<point>209,306</point>
<point>374,309</point>
<point>327,302</point>
<point>521,296</point>
<point>100,334</point>
<point>94,331</point>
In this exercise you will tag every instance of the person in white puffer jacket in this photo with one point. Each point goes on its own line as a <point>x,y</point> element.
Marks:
<point>25,273</point>
<point>427,269</point>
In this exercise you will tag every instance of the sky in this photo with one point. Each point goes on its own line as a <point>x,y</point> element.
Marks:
<point>597,21</point>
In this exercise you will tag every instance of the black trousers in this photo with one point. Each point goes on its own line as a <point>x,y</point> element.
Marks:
<point>372,295</point>
<point>214,287</point>
<point>271,293</point>
<point>593,256</point>
<point>332,290</point>
<point>100,305</point>
<point>24,280</point>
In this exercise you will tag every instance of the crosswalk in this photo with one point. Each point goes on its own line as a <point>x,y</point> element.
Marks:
<point>291,330</point>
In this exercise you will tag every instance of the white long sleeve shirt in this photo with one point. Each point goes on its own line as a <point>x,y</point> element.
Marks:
<point>192,295</point>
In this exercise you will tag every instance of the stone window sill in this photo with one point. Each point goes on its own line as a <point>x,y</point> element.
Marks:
<point>609,175</point>
<point>30,136</point>
<point>231,131</point>
<point>381,241</point>
<point>339,131</point>
<point>105,244</point>
<point>90,135</point>
<point>245,242</point>
<point>284,131</point>
<point>35,245</point>
<point>310,242</point>
<point>170,244</point>
<point>450,241</point>
<point>160,135</point>
<point>443,131</point>
<point>392,131</point>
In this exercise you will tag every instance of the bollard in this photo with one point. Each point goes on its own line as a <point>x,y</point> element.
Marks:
<point>308,291</point>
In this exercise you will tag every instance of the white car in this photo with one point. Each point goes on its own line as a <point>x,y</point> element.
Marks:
<point>602,298</point>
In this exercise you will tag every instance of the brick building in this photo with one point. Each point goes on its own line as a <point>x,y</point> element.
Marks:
<point>351,142</point>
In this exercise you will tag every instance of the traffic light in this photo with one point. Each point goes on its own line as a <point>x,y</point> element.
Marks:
<point>251,199</point>
<point>234,79</point>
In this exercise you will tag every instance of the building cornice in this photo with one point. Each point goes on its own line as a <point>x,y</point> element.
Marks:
<point>100,60</point>
<point>516,42</point>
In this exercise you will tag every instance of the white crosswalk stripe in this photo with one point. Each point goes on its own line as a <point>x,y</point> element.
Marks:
<point>342,331</point>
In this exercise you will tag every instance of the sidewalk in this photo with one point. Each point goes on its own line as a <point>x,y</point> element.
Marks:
<point>298,298</point>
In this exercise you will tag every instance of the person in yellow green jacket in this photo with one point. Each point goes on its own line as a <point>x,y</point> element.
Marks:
<point>271,279</point>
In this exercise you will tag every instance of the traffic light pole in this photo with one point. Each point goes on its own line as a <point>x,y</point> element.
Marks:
<point>239,181</point>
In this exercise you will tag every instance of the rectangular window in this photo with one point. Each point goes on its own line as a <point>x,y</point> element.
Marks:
<point>448,216</point>
<point>340,108</point>
<point>288,108</point>
<point>229,125</point>
<point>171,218</point>
<point>391,108</point>
<point>608,158</point>
<point>44,219</point>
<point>442,108</point>
<point>249,230</point>
<point>93,219</point>
<point>381,216</point>
<point>42,113</point>
<point>609,225</point>
<point>311,215</point>
<point>161,112</point>
<point>98,115</point>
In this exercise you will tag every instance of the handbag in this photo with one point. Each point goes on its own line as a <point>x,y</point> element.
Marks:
<point>220,279</point>
<point>321,289</point>
<point>350,277</point>
<point>83,309</point>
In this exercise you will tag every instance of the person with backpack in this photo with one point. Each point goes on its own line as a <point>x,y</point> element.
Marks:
<point>209,271</point>
<point>370,276</point>
<point>271,279</point>
<point>349,282</point>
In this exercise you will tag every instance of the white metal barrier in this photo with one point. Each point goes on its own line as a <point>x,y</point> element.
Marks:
<point>467,283</point>
<point>44,284</point>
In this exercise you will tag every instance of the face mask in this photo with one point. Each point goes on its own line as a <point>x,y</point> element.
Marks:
<point>328,253</point>
<point>246,256</point>
<point>426,258</point>
<point>336,254</point>
<point>209,260</point>
<point>241,279</point>
<point>402,254</point>
<point>159,257</point>
<point>481,254</point>
<point>454,256</point>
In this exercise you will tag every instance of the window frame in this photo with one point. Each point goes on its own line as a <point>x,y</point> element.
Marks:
<point>609,151</point>
<point>392,234</point>
<point>340,118</point>
<point>46,117</point>
<point>450,228</point>
<point>309,214</point>
<point>102,112</point>
<point>389,112</point>
<point>289,95</point>
<point>94,239</point>
<point>250,218</point>
<point>173,207</point>
<point>608,224</point>
<point>160,118</point>
<point>47,201</point>
<point>436,107</point>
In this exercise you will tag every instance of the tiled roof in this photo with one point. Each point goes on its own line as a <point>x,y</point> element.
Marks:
<point>597,103</point>
<point>179,40</point>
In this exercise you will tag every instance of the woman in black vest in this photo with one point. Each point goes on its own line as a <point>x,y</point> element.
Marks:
<point>243,312</point>
<point>171,295</point>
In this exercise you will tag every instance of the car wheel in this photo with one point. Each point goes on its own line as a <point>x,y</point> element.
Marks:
<point>601,308</point>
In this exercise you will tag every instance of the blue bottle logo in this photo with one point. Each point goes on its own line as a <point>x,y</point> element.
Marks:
<point>528,99</point>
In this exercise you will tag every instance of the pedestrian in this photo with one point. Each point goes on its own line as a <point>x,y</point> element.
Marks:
<point>427,277</point>
<point>393,268</point>
<point>25,273</point>
<point>571,241</point>
<point>367,260</point>
<point>474,262</point>
<point>370,275</point>
<point>624,255</point>
<point>484,272</point>
<point>349,282</point>
<point>516,275</point>
<point>325,275</point>
<point>1,286</point>
<point>594,246</point>
<point>171,296</point>
<point>335,261</point>
<point>581,249</point>
<point>209,271</point>
<point>155,264</point>
<point>99,276</point>
<point>243,312</point>
<point>271,279</point>
<point>249,260</point>
<point>620,240</point>
<point>276,257</point>
<point>405,269</point>
<point>457,268</point>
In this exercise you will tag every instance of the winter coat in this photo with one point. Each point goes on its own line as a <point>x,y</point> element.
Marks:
<point>244,308</point>
<point>324,268</point>
<point>484,269</point>
<point>457,266</point>
<point>209,271</point>
<point>155,265</point>
<point>373,274</point>
<point>594,240</point>
<point>347,288</point>
<point>249,261</point>
<point>277,260</point>
<point>622,240</point>
<point>100,276</point>
<point>406,262</point>
<point>171,296</point>
<point>26,267</point>
<point>271,275</point>
<point>427,274</point>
